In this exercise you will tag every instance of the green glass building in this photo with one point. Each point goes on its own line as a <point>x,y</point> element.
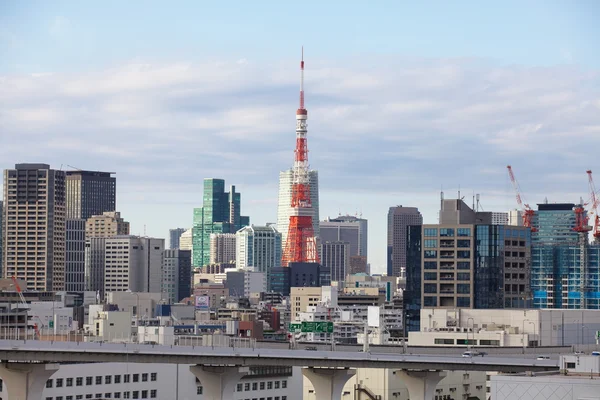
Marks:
<point>220,213</point>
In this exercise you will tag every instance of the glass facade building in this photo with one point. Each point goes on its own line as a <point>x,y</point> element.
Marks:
<point>558,278</point>
<point>220,213</point>
<point>412,293</point>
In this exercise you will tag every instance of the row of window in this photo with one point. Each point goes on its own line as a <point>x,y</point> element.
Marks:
<point>432,301</point>
<point>447,254</point>
<point>269,398</point>
<point>135,394</point>
<point>245,387</point>
<point>446,232</point>
<point>460,243</point>
<point>482,342</point>
<point>107,379</point>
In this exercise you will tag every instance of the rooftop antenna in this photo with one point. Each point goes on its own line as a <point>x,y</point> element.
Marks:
<point>474,201</point>
<point>144,230</point>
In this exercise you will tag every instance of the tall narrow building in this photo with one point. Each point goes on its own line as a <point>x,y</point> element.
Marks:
<point>75,255</point>
<point>90,193</point>
<point>174,236</point>
<point>346,228</point>
<point>399,218</point>
<point>34,228</point>
<point>1,238</point>
<point>222,248</point>
<point>176,275</point>
<point>259,247</point>
<point>220,213</point>
<point>336,257</point>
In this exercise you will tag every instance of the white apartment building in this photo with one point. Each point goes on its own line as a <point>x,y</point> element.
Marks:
<point>258,247</point>
<point>140,305</point>
<point>506,327</point>
<point>185,240</point>
<point>285,201</point>
<point>133,263</point>
<point>499,218</point>
<point>222,248</point>
<point>161,381</point>
<point>515,218</point>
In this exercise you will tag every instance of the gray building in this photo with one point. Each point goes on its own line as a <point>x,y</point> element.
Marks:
<point>90,193</point>
<point>235,282</point>
<point>399,218</point>
<point>95,264</point>
<point>75,255</point>
<point>176,272</point>
<point>174,235</point>
<point>34,227</point>
<point>346,228</point>
<point>336,257</point>
<point>1,237</point>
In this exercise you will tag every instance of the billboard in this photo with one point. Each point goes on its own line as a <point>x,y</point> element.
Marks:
<point>373,316</point>
<point>202,303</point>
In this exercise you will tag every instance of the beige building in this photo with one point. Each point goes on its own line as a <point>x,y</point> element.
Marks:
<point>107,225</point>
<point>34,229</point>
<point>222,248</point>
<point>303,297</point>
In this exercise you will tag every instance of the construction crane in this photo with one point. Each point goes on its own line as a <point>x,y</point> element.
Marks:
<point>23,302</point>
<point>594,207</point>
<point>525,209</point>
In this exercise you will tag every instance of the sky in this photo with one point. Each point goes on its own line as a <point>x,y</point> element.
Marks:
<point>404,99</point>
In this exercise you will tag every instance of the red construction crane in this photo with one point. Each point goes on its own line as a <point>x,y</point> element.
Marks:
<point>594,207</point>
<point>525,209</point>
<point>23,302</point>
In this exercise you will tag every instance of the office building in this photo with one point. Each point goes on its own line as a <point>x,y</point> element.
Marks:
<point>75,255</point>
<point>336,257</point>
<point>107,224</point>
<point>90,193</point>
<point>95,264</point>
<point>133,263</point>
<point>220,213</point>
<point>222,248</point>
<point>259,247</point>
<point>280,281</point>
<point>565,268</point>
<point>1,237</point>
<point>35,207</point>
<point>399,218</point>
<point>245,282</point>
<point>176,275</point>
<point>499,218</point>
<point>515,218</point>
<point>349,229</point>
<point>308,275</point>
<point>284,208</point>
<point>358,265</point>
<point>174,237</point>
<point>185,240</point>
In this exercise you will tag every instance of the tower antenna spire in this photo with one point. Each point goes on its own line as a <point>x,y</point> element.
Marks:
<point>302,81</point>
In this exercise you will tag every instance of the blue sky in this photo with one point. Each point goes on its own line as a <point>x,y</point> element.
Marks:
<point>404,98</point>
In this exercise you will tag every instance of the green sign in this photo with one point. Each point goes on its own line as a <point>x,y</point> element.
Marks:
<point>597,334</point>
<point>295,327</point>
<point>51,324</point>
<point>317,327</point>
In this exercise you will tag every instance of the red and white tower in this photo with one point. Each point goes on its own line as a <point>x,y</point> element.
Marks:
<point>301,245</point>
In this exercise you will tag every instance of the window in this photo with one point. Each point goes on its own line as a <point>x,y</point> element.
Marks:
<point>79,381</point>
<point>199,390</point>
<point>79,397</point>
<point>430,288</point>
<point>443,341</point>
<point>255,385</point>
<point>144,377</point>
<point>117,395</point>
<point>136,377</point>
<point>276,384</point>
<point>283,386</point>
<point>153,394</point>
<point>430,232</point>
<point>246,387</point>
<point>136,394</point>
<point>239,387</point>
<point>463,232</point>
<point>126,395</point>
<point>430,254</point>
<point>69,382</point>
<point>108,379</point>
<point>144,394</point>
<point>447,232</point>
<point>49,383</point>
<point>463,254</point>
<point>88,380</point>
<point>570,365</point>
<point>463,276</point>
<point>430,265</point>
<point>98,380</point>
<point>59,382</point>
<point>107,395</point>
<point>463,288</point>
<point>484,342</point>
<point>463,243</point>
<point>262,386</point>
<point>117,378</point>
<point>463,302</point>
<point>464,265</point>
<point>89,396</point>
<point>59,398</point>
<point>429,243</point>
<point>269,385</point>
<point>430,276</point>
<point>430,301</point>
<point>153,376</point>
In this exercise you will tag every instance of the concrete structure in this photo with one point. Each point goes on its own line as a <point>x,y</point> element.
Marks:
<point>105,225</point>
<point>245,282</point>
<point>500,218</point>
<point>139,305</point>
<point>217,293</point>
<point>75,255</point>
<point>349,229</point>
<point>259,247</point>
<point>303,297</point>
<point>284,208</point>
<point>515,218</point>
<point>506,328</point>
<point>34,224</point>
<point>110,326</point>
<point>53,317</point>
<point>90,193</point>
<point>176,275</point>
<point>222,248</point>
<point>174,236</point>
<point>133,263</point>
<point>220,213</point>
<point>336,257</point>
<point>399,218</point>
<point>358,265</point>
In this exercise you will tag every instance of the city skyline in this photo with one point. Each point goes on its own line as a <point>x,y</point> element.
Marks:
<point>387,121</point>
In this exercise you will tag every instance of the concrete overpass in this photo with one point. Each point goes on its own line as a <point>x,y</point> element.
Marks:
<point>26,365</point>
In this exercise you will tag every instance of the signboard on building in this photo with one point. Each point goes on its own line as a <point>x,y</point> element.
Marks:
<point>202,303</point>
<point>373,316</point>
<point>317,327</point>
<point>295,327</point>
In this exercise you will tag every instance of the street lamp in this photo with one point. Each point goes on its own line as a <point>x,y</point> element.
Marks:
<point>472,327</point>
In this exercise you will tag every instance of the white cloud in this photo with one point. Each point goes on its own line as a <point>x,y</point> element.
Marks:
<point>403,126</point>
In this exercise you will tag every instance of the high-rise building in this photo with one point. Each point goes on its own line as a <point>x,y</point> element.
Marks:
<point>35,207</point>
<point>346,228</point>
<point>107,224</point>
<point>133,263</point>
<point>259,247</point>
<point>75,255</point>
<point>220,213</point>
<point>90,193</point>
<point>185,240</point>
<point>1,238</point>
<point>336,257</point>
<point>565,268</point>
<point>176,272</point>
<point>358,265</point>
<point>174,237</point>
<point>499,218</point>
<point>515,218</point>
<point>284,209</point>
<point>399,218</point>
<point>222,248</point>
<point>95,257</point>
